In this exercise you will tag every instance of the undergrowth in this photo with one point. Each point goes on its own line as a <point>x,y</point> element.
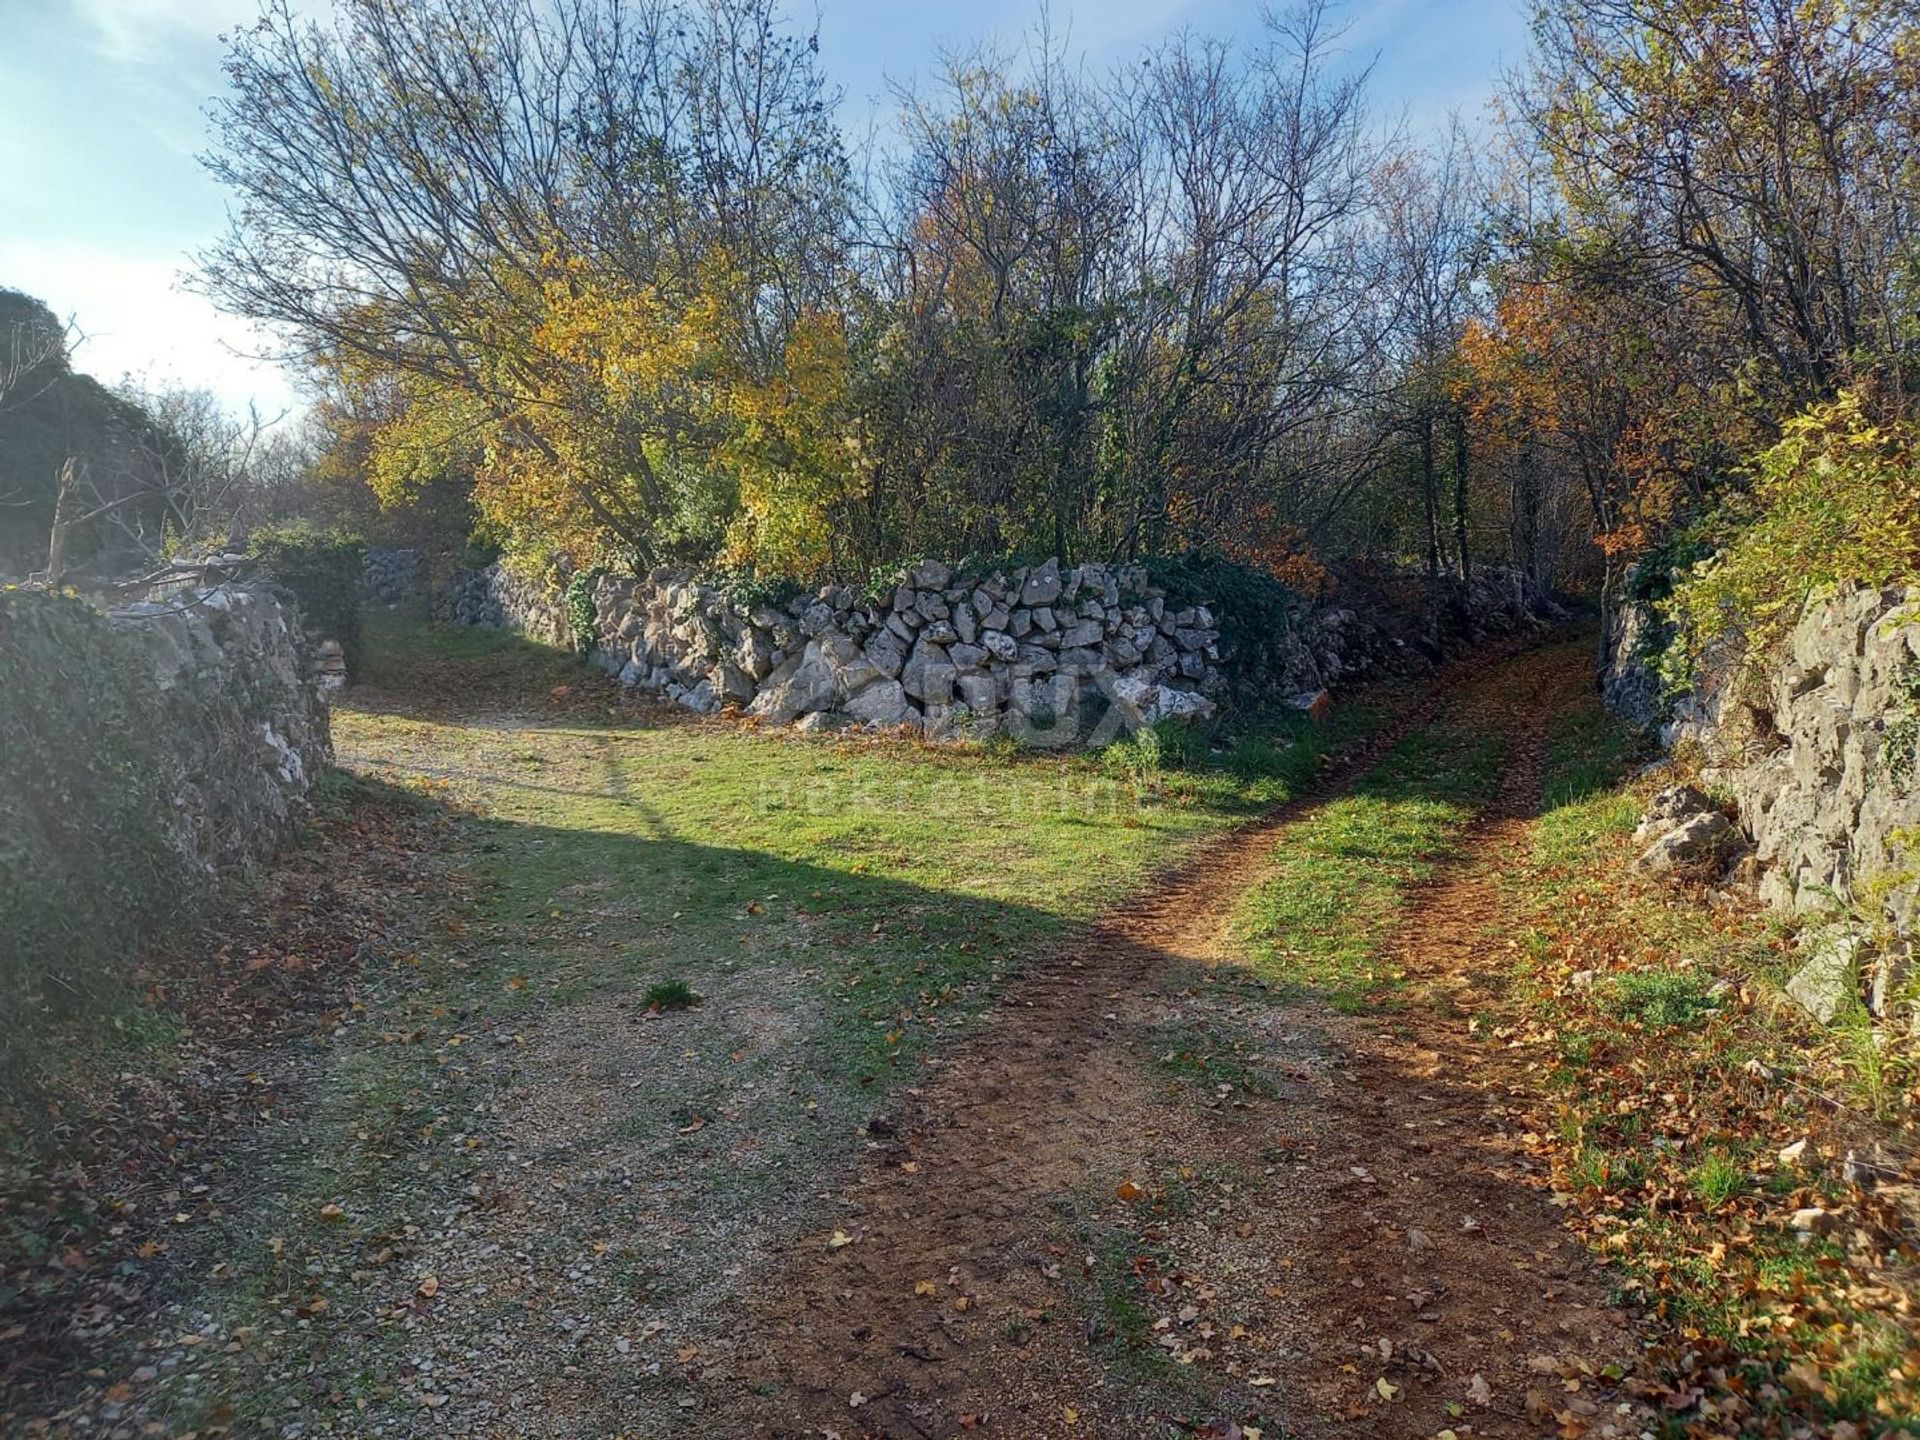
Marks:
<point>1677,1089</point>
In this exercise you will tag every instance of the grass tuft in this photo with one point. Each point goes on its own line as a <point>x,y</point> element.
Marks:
<point>671,995</point>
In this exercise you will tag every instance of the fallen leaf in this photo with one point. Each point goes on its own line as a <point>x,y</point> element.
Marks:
<point>839,1240</point>
<point>430,1286</point>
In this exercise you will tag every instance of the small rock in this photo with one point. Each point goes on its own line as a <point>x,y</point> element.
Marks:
<point>1828,983</point>
<point>1669,808</point>
<point>1814,1221</point>
<point>1692,844</point>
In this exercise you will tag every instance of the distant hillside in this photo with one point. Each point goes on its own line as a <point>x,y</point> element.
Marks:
<point>50,413</point>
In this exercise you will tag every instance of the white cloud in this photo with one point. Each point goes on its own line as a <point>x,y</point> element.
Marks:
<point>135,30</point>
<point>138,321</point>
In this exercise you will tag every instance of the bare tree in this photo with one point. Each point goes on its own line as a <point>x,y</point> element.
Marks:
<point>184,475</point>
<point>1431,229</point>
<point>413,178</point>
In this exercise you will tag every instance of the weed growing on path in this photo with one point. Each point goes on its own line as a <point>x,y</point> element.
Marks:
<point>1345,872</point>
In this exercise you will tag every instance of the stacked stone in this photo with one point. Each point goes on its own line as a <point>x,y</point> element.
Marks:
<point>249,733</point>
<point>497,599</point>
<point>393,575</point>
<point>1046,651</point>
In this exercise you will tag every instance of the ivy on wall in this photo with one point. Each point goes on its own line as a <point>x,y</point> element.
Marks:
<point>325,570</point>
<point>85,858</point>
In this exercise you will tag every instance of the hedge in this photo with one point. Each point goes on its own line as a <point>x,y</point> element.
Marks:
<point>326,571</point>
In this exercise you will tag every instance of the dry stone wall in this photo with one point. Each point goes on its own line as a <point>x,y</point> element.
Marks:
<point>393,574</point>
<point>1054,654</point>
<point>247,704</point>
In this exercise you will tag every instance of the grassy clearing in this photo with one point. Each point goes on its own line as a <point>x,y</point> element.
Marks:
<point>1678,1089</point>
<point>684,951</point>
<point>1345,872</point>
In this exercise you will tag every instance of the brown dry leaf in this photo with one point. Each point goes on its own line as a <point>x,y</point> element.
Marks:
<point>1128,1191</point>
<point>925,1287</point>
<point>1479,1392</point>
<point>430,1286</point>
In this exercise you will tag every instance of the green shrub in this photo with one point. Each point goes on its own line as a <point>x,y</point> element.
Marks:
<point>675,994</point>
<point>1255,612</point>
<point>751,591</point>
<point>1837,499</point>
<point>325,570</point>
<point>582,615</point>
<point>85,860</point>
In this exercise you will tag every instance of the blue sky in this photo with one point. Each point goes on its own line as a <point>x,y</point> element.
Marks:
<point>102,113</point>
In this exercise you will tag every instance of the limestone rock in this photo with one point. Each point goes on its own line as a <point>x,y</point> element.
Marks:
<point>1043,584</point>
<point>929,674</point>
<point>822,720</point>
<point>1827,984</point>
<point>1669,808</point>
<point>882,703</point>
<point>999,644</point>
<point>804,683</point>
<point>1693,844</point>
<point>887,652</point>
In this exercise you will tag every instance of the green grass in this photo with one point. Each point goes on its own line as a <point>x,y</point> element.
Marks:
<point>1718,1178</point>
<point>1662,1130</point>
<point>842,908</point>
<point>1345,871</point>
<point>1660,999</point>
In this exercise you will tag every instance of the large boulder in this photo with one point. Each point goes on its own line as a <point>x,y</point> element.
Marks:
<point>805,683</point>
<point>1043,584</point>
<point>929,674</point>
<point>888,652</point>
<point>882,703</point>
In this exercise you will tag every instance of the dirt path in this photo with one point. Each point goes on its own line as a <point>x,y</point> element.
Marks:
<point>1430,1227</point>
<point>1151,1192</point>
<point>1387,1252</point>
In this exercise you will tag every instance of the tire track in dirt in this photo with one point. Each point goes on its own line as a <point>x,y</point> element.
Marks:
<point>1425,1233</point>
<point>956,1191</point>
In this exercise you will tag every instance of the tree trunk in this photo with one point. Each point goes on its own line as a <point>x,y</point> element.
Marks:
<point>1461,547</point>
<point>57,541</point>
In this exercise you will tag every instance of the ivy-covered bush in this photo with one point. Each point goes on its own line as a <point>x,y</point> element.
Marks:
<point>1256,612</point>
<point>324,569</point>
<point>1836,499</point>
<point>85,859</point>
<point>582,617</point>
